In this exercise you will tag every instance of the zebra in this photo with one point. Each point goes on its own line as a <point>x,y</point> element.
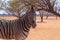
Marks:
<point>18,29</point>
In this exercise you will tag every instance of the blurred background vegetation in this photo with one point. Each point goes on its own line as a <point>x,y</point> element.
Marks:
<point>19,7</point>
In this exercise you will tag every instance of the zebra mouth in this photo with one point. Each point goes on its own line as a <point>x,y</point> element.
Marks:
<point>34,26</point>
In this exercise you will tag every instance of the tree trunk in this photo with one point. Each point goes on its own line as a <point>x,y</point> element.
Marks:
<point>41,15</point>
<point>47,16</point>
<point>56,17</point>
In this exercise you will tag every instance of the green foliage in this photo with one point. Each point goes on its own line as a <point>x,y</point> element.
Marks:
<point>15,6</point>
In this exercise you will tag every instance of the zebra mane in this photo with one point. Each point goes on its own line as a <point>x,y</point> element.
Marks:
<point>31,11</point>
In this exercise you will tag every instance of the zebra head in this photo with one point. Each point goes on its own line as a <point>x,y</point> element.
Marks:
<point>32,17</point>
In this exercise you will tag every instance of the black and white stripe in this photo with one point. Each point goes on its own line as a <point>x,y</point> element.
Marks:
<point>18,29</point>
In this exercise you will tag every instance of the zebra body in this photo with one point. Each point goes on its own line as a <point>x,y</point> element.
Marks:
<point>17,29</point>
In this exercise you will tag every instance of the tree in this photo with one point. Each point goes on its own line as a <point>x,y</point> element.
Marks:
<point>16,6</point>
<point>47,16</point>
<point>46,5</point>
<point>41,15</point>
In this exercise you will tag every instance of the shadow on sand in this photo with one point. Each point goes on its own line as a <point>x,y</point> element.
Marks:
<point>41,22</point>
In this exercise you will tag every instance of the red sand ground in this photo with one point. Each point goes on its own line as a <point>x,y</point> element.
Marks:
<point>48,30</point>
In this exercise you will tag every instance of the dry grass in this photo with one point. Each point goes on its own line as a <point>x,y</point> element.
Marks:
<point>48,30</point>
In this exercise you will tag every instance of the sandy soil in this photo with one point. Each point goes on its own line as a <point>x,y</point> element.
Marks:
<point>48,30</point>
